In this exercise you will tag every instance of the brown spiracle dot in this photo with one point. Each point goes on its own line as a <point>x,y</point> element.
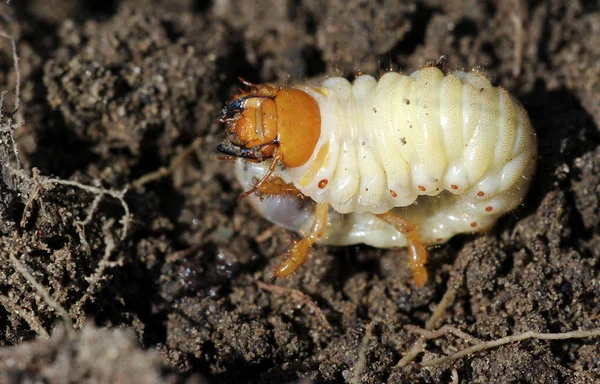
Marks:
<point>323,183</point>
<point>393,193</point>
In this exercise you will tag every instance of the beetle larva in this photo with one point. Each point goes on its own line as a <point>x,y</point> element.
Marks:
<point>403,161</point>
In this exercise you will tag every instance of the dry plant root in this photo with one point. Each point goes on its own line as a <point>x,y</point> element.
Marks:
<point>299,251</point>
<point>416,249</point>
<point>45,296</point>
<point>434,321</point>
<point>362,356</point>
<point>175,163</point>
<point>36,185</point>
<point>432,330</point>
<point>518,16</point>
<point>436,316</point>
<point>482,346</point>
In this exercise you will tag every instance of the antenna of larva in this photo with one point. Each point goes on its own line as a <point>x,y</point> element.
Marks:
<point>407,161</point>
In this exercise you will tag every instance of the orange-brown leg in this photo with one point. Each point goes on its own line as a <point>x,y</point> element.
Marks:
<point>276,160</point>
<point>416,249</point>
<point>299,251</point>
<point>276,186</point>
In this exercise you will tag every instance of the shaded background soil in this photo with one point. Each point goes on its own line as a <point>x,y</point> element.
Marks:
<point>113,90</point>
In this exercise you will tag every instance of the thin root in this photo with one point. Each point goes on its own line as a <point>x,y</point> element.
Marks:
<point>48,182</point>
<point>43,293</point>
<point>362,356</point>
<point>265,235</point>
<point>166,171</point>
<point>447,300</point>
<point>29,317</point>
<point>518,16</point>
<point>179,255</point>
<point>444,330</point>
<point>32,198</point>
<point>36,185</point>
<point>482,346</point>
<point>431,324</point>
<point>94,279</point>
<point>429,331</point>
<point>13,46</point>
<point>455,378</point>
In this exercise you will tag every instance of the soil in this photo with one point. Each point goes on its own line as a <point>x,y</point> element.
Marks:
<point>111,91</point>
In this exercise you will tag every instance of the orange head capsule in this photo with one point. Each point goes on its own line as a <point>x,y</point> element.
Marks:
<point>272,123</point>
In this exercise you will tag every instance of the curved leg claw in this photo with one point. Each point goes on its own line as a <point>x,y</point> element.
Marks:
<point>299,251</point>
<point>416,248</point>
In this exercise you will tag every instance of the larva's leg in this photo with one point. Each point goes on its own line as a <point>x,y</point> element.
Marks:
<point>416,249</point>
<point>266,177</point>
<point>276,186</point>
<point>299,251</point>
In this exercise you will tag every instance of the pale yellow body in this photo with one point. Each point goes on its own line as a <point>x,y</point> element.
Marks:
<point>449,153</point>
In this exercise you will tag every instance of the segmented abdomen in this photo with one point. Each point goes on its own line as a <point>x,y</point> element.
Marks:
<point>384,143</point>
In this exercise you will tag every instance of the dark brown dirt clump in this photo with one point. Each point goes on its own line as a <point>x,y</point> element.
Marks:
<point>111,91</point>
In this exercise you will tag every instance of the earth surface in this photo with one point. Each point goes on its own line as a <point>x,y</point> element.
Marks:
<point>113,200</point>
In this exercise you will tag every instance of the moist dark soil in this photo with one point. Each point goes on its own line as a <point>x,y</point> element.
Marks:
<point>180,289</point>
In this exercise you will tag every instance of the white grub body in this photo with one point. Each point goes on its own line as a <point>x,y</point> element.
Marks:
<point>451,153</point>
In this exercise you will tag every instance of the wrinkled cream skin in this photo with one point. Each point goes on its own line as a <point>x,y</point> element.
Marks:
<point>457,153</point>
